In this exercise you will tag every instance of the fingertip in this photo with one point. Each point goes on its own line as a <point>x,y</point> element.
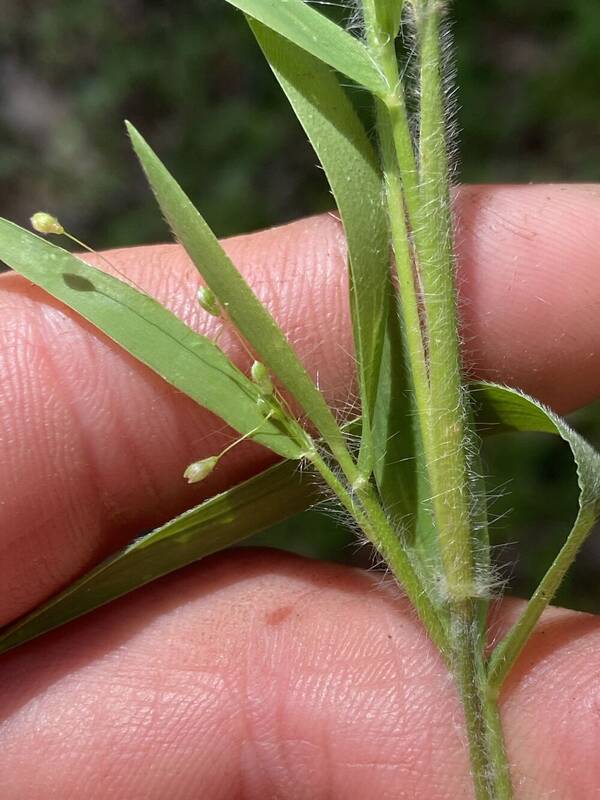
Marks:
<point>528,266</point>
<point>105,442</point>
<point>265,671</point>
<point>551,708</point>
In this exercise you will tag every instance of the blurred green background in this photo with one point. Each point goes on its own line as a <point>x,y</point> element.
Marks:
<point>190,76</point>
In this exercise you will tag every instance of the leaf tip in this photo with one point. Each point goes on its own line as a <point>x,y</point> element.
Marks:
<point>136,137</point>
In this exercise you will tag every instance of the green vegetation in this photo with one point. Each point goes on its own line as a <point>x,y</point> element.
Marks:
<point>395,205</point>
<point>74,69</point>
<point>88,65</point>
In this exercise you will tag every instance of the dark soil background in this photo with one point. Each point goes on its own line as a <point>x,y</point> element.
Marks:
<point>190,76</point>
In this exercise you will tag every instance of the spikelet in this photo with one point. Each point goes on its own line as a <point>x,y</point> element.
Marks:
<point>45,223</point>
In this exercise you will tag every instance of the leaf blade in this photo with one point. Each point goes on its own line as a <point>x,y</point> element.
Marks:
<point>246,311</point>
<point>147,330</point>
<point>282,492</point>
<point>350,164</point>
<point>395,434</point>
<point>508,409</point>
<point>219,522</point>
<point>317,35</point>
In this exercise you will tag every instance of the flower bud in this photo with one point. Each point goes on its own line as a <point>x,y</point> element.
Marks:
<point>46,223</point>
<point>262,379</point>
<point>200,470</point>
<point>208,301</point>
<point>270,411</point>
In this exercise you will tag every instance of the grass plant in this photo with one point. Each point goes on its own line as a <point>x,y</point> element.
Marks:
<point>413,484</point>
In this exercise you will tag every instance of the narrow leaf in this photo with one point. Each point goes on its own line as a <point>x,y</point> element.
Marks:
<point>352,169</point>
<point>296,21</point>
<point>243,307</point>
<point>272,497</point>
<point>507,409</point>
<point>394,435</point>
<point>389,15</point>
<point>217,523</point>
<point>147,330</point>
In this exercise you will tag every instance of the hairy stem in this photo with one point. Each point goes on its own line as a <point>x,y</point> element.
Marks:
<point>468,670</point>
<point>365,508</point>
<point>419,209</point>
<point>489,768</point>
<point>425,204</point>
<point>400,175</point>
<point>449,477</point>
<point>407,294</point>
<point>500,780</point>
<point>507,652</point>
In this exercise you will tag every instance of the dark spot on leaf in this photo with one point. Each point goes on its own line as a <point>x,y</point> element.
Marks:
<point>78,283</point>
<point>278,615</point>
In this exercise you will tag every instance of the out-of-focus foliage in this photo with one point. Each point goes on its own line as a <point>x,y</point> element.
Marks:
<point>189,74</point>
<point>192,77</point>
<point>536,496</point>
<point>528,78</point>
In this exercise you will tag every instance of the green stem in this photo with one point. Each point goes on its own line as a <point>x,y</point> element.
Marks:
<point>400,176</point>
<point>419,207</point>
<point>449,477</point>
<point>407,294</point>
<point>507,652</point>
<point>389,543</point>
<point>499,767</point>
<point>365,508</point>
<point>426,199</point>
<point>489,768</point>
<point>383,52</point>
<point>363,504</point>
<point>467,673</point>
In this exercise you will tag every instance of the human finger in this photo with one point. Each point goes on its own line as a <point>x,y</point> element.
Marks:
<point>95,444</point>
<point>258,674</point>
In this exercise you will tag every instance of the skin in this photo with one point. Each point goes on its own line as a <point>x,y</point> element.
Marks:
<point>258,674</point>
